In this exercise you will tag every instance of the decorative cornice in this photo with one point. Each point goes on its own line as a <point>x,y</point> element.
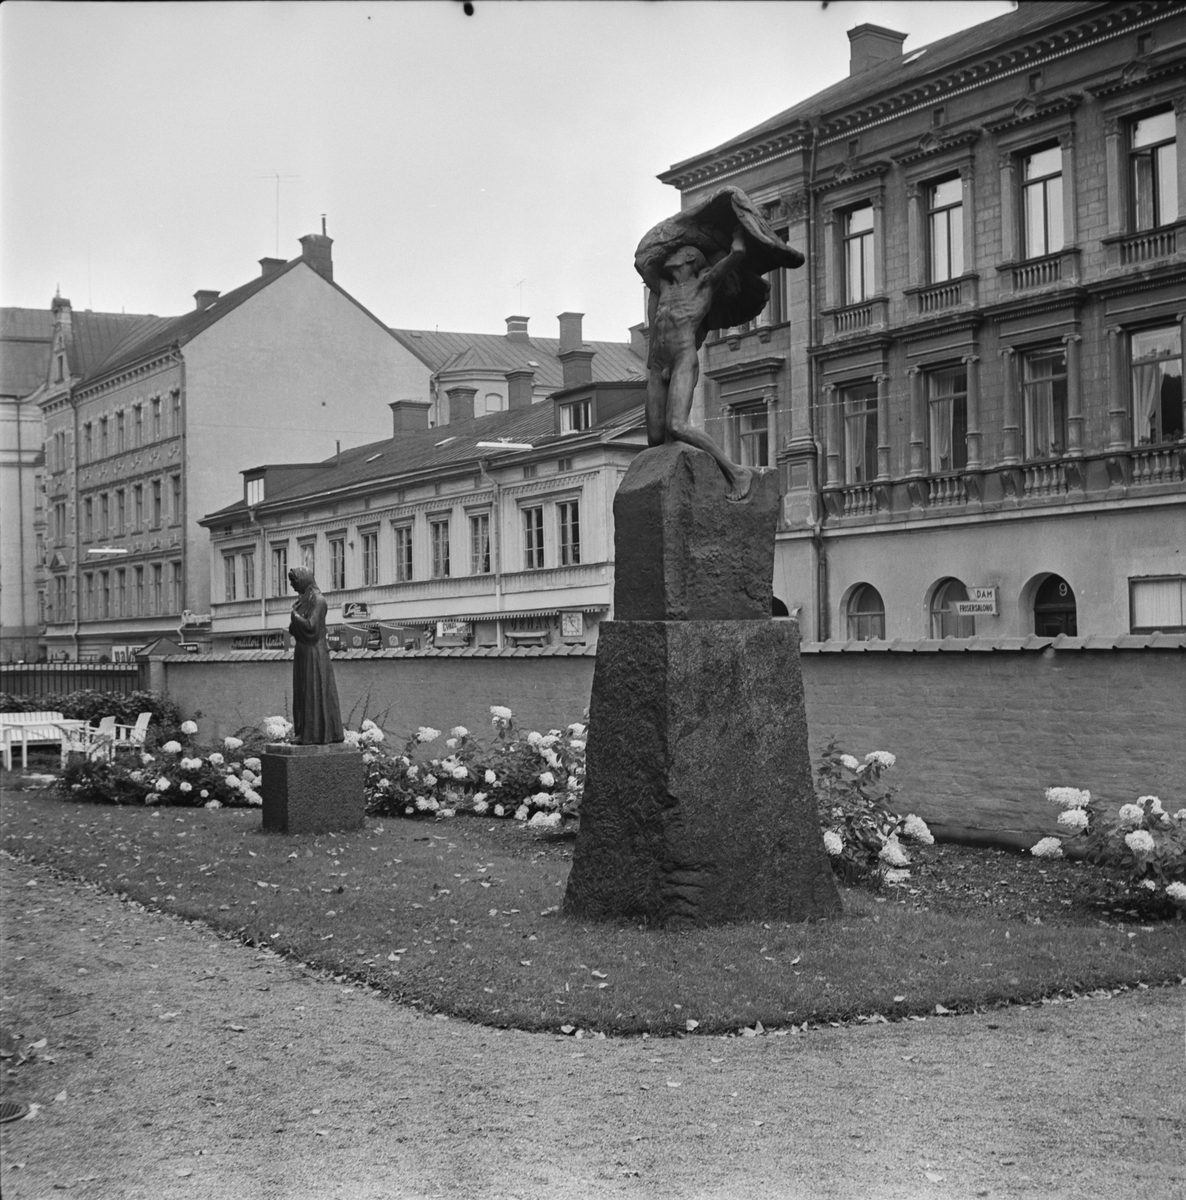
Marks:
<point>1139,73</point>
<point>740,158</point>
<point>1028,111</point>
<point>932,144</point>
<point>852,170</point>
<point>734,372</point>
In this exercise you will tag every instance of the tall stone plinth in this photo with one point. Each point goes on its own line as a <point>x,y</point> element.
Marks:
<point>312,789</point>
<point>698,806</point>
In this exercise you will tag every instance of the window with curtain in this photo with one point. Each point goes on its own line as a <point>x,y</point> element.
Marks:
<point>751,434</point>
<point>866,614</point>
<point>533,538</point>
<point>479,544</point>
<point>248,567</point>
<point>568,515</point>
<point>945,222</point>
<point>228,577</point>
<point>1156,356</point>
<point>370,557</point>
<point>1044,382</point>
<point>1041,202</point>
<point>403,553</point>
<point>1153,171</point>
<point>280,570</point>
<point>1158,605</point>
<point>947,396</point>
<point>308,556</point>
<point>859,409</point>
<point>945,621</point>
<point>337,563</point>
<point>858,254</point>
<point>439,537</point>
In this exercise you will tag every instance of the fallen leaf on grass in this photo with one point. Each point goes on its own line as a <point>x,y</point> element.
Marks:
<point>598,974</point>
<point>899,999</point>
<point>689,1024</point>
<point>236,1028</point>
<point>672,1083</point>
<point>184,1172</point>
<point>940,1011</point>
<point>169,1016</point>
<point>60,1098</point>
<point>934,1176</point>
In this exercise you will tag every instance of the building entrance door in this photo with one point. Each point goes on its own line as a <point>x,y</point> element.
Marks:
<point>1054,609</point>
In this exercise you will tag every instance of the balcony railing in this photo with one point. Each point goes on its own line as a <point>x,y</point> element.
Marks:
<point>942,297</point>
<point>1162,464</point>
<point>946,490</point>
<point>1060,267</point>
<point>1145,246</point>
<point>1044,479</point>
<point>855,318</point>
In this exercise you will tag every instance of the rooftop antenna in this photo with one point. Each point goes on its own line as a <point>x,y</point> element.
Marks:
<point>519,285</point>
<point>277,177</point>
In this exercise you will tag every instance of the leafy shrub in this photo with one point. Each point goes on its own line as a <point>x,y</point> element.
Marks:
<point>1142,839</point>
<point>90,705</point>
<point>862,833</point>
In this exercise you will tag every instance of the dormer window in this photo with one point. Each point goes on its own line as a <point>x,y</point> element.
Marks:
<point>255,491</point>
<point>576,415</point>
<point>60,372</point>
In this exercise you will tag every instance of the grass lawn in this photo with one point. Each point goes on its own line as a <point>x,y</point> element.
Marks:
<point>463,917</point>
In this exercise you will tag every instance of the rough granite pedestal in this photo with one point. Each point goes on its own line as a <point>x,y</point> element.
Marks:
<point>312,789</point>
<point>698,806</point>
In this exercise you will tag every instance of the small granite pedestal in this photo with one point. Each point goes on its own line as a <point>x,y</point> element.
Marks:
<point>698,806</point>
<point>312,789</point>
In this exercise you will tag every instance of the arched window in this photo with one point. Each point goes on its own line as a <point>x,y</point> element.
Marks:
<point>866,614</point>
<point>1054,609</point>
<point>945,621</point>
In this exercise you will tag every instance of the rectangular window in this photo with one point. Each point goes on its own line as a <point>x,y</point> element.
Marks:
<point>948,403</point>
<point>121,593</point>
<point>479,544</point>
<point>138,507</point>
<point>157,587</point>
<point>61,599</point>
<point>120,432</point>
<point>860,432</point>
<point>102,437</point>
<point>776,306</point>
<point>370,557</point>
<point>87,443</point>
<point>1041,202</point>
<point>156,504</point>
<point>228,578</point>
<point>140,591</point>
<point>752,436</point>
<point>403,553</point>
<point>138,422</point>
<point>175,590</point>
<point>280,570</point>
<point>88,518</point>
<point>156,418</point>
<point>104,515</point>
<point>89,610</point>
<point>1045,385</point>
<point>255,491</point>
<point>176,509</point>
<point>576,415</point>
<point>105,586</point>
<point>175,399</point>
<point>569,513</point>
<point>337,564</point>
<point>248,567</point>
<point>1153,172</point>
<point>533,538</point>
<point>121,512</point>
<point>1158,605</point>
<point>308,556</point>
<point>1157,385</point>
<point>945,222</point>
<point>858,254</point>
<point>439,534</point>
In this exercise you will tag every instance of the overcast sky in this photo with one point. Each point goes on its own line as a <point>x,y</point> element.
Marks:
<point>470,167</point>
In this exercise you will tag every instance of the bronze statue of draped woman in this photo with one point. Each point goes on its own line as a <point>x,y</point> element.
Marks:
<point>316,714</point>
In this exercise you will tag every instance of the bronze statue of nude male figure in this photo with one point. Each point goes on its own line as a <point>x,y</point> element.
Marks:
<point>704,269</point>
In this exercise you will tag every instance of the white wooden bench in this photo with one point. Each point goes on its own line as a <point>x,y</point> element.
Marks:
<point>29,728</point>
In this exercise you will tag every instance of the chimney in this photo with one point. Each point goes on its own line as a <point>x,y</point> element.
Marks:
<point>871,45</point>
<point>520,388</point>
<point>517,329</point>
<point>407,415</point>
<point>639,342</point>
<point>570,331</point>
<point>461,403</point>
<point>268,265</point>
<point>315,250</point>
<point>205,298</point>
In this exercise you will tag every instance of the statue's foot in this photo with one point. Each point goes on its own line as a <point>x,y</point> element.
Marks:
<point>742,482</point>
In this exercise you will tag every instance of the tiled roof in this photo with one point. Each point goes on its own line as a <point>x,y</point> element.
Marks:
<point>98,336</point>
<point>612,361</point>
<point>1125,641</point>
<point>900,72</point>
<point>25,336</point>
<point>424,450</point>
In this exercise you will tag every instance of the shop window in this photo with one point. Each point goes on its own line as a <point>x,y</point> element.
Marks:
<point>1153,171</point>
<point>751,434</point>
<point>859,406</point>
<point>1158,605</point>
<point>1157,385</point>
<point>403,553</point>
<point>280,570</point>
<point>370,557</point>
<point>1041,202</point>
<point>569,514</point>
<point>947,395</point>
<point>479,544</point>
<point>945,225</point>
<point>866,614</point>
<point>1044,381</point>
<point>858,254</point>
<point>533,538</point>
<point>439,537</point>
<point>946,622</point>
<point>337,564</point>
<point>1054,609</point>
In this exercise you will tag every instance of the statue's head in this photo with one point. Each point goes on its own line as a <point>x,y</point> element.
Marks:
<point>301,579</point>
<point>685,261</point>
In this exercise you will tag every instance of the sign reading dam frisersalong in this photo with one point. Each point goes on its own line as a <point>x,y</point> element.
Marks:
<point>981,602</point>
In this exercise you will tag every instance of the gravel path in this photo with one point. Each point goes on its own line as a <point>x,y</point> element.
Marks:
<point>179,1064</point>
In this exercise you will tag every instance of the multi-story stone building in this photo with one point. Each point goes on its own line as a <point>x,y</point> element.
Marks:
<point>147,435</point>
<point>973,388</point>
<point>493,528</point>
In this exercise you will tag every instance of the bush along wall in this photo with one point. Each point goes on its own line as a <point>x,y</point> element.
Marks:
<point>90,705</point>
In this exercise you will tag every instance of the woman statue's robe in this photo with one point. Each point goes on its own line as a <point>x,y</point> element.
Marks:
<point>316,715</point>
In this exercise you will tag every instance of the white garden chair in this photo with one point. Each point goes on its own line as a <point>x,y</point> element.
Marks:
<point>79,738</point>
<point>131,737</point>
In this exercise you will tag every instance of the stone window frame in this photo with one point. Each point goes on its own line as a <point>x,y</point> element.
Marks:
<point>398,525</point>
<point>937,167</point>
<point>472,513</point>
<point>1135,581</point>
<point>336,537</point>
<point>529,504</point>
<point>435,520</point>
<point>370,564</point>
<point>869,190</point>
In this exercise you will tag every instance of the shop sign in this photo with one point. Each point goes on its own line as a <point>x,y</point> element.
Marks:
<point>355,609</point>
<point>981,602</point>
<point>275,641</point>
<point>190,647</point>
<point>247,642</point>
<point>452,629</point>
